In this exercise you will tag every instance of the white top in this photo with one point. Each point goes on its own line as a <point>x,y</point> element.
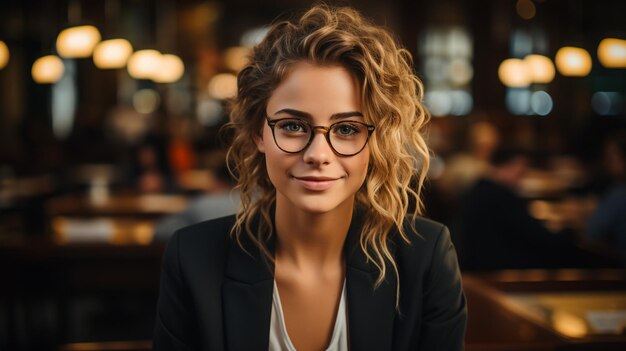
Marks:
<point>279,339</point>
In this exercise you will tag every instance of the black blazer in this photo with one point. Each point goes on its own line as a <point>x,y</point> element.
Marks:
<point>214,296</point>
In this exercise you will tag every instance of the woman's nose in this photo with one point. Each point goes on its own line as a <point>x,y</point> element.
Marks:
<point>318,152</point>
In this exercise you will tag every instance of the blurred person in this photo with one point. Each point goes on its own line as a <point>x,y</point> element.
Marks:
<point>464,168</point>
<point>457,172</point>
<point>150,179</point>
<point>608,221</point>
<point>151,172</point>
<point>181,153</point>
<point>494,228</point>
<point>219,201</point>
<point>325,252</point>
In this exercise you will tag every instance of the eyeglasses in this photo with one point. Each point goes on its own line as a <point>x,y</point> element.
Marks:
<point>346,138</point>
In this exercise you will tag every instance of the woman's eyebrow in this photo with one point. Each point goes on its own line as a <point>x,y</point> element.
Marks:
<point>294,113</point>
<point>346,115</point>
<point>307,115</point>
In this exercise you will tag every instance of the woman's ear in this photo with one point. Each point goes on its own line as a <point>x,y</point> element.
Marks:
<point>258,140</point>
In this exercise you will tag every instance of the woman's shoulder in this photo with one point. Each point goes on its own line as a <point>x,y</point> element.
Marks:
<point>425,227</point>
<point>427,238</point>
<point>423,230</point>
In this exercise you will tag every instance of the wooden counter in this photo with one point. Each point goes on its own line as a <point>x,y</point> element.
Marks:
<point>544,309</point>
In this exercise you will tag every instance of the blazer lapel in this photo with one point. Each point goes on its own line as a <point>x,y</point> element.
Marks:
<point>371,311</point>
<point>247,297</point>
<point>249,283</point>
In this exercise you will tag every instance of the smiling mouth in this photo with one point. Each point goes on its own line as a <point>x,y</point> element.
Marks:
<point>316,183</point>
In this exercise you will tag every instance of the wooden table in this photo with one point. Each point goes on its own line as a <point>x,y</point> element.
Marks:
<point>134,205</point>
<point>114,219</point>
<point>541,309</point>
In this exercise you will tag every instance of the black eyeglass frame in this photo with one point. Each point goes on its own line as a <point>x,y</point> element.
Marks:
<point>272,123</point>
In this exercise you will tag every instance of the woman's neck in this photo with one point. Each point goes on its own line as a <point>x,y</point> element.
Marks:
<point>311,240</point>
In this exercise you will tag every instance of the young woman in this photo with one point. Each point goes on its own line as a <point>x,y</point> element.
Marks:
<point>327,251</point>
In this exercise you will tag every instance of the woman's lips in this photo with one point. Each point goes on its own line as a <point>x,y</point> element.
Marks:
<point>316,183</point>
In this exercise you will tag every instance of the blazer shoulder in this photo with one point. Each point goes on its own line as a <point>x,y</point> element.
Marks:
<point>423,231</point>
<point>430,274</point>
<point>428,228</point>
<point>428,237</point>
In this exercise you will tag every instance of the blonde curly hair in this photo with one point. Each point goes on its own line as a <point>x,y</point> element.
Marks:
<point>391,98</point>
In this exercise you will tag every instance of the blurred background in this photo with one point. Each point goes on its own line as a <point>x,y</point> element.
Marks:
<point>110,114</point>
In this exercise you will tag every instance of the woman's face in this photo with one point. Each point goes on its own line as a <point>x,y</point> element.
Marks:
<point>316,179</point>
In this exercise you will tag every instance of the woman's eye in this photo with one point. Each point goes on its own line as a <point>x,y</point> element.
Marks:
<point>293,127</point>
<point>346,129</point>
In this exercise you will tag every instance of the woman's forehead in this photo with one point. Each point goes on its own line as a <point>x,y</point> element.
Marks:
<point>316,91</point>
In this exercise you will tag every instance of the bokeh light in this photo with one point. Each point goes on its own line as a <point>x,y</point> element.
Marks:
<point>47,69</point>
<point>235,58</point>
<point>525,9</point>
<point>607,103</point>
<point>4,54</point>
<point>514,73</point>
<point>113,53</point>
<point>223,86</point>
<point>144,64</point>
<point>612,53</point>
<point>541,68</point>
<point>171,69</point>
<point>541,103</point>
<point>146,101</point>
<point>573,61</point>
<point>77,42</point>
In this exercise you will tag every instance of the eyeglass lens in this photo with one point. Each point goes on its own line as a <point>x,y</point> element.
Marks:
<point>346,138</point>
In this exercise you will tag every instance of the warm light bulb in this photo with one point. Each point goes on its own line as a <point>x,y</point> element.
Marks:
<point>112,53</point>
<point>541,68</point>
<point>612,53</point>
<point>144,64</point>
<point>236,58</point>
<point>47,69</point>
<point>223,86</point>
<point>171,69</point>
<point>77,42</point>
<point>514,73</point>
<point>572,61</point>
<point>4,54</point>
